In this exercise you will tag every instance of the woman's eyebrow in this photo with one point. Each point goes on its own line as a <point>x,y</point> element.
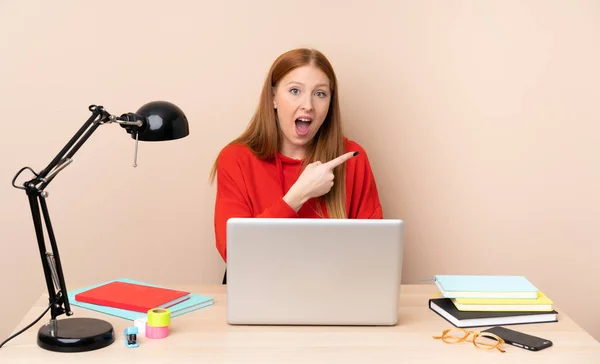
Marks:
<point>300,83</point>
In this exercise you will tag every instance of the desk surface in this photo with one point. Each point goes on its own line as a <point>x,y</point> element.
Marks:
<point>203,336</point>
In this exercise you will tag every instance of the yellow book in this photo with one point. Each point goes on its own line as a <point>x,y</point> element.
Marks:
<point>541,303</point>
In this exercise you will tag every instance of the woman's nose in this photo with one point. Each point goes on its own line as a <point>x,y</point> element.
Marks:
<point>307,103</point>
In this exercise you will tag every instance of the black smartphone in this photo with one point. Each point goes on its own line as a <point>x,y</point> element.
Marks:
<point>520,339</point>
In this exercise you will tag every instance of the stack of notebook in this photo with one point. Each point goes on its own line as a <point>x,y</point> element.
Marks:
<point>132,299</point>
<point>479,300</point>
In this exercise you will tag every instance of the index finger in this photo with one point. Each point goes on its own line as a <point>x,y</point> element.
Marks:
<point>339,160</point>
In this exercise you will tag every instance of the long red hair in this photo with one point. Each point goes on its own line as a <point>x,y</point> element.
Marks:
<point>263,136</point>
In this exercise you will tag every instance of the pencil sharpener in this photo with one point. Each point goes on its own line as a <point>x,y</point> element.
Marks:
<point>131,337</point>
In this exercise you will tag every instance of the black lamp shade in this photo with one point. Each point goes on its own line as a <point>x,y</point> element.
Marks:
<point>162,121</point>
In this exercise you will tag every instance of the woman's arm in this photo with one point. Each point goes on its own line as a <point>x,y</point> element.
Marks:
<point>233,200</point>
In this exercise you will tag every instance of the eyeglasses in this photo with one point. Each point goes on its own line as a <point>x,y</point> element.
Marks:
<point>482,340</point>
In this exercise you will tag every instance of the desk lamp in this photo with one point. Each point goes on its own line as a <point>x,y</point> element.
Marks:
<point>154,121</point>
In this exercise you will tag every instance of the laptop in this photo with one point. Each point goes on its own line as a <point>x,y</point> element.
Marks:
<point>313,271</point>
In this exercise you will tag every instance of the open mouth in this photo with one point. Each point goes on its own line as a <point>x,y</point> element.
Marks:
<point>303,126</point>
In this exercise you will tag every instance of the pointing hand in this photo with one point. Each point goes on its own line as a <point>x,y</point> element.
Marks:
<point>316,180</point>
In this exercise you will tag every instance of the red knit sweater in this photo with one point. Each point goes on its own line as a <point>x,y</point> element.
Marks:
<point>250,187</point>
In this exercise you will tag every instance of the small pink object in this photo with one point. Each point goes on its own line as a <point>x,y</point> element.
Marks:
<point>156,332</point>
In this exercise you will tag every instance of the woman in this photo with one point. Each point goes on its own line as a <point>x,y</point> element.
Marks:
<point>293,160</point>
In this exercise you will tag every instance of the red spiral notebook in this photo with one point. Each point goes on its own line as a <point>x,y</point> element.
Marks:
<point>133,297</point>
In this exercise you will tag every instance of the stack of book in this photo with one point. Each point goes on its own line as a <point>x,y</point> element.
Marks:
<point>480,300</point>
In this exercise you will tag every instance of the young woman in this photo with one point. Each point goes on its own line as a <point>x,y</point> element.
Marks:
<point>293,160</point>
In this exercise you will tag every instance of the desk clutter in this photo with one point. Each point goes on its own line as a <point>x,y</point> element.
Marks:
<point>480,300</point>
<point>155,326</point>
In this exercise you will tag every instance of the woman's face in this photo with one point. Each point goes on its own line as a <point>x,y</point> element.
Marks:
<point>301,100</point>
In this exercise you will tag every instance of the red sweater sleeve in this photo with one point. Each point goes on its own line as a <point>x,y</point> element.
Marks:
<point>365,202</point>
<point>233,198</point>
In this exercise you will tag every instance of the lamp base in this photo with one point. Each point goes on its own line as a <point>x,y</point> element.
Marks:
<point>74,335</point>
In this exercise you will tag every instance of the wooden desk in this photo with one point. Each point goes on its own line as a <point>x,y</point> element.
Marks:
<point>203,336</point>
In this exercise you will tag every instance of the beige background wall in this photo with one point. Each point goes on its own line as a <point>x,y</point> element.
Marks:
<point>480,118</point>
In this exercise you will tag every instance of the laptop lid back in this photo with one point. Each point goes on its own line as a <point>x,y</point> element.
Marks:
<point>313,271</point>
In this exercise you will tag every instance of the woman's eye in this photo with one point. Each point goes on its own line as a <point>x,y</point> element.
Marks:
<point>295,91</point>
<point>320,94</point>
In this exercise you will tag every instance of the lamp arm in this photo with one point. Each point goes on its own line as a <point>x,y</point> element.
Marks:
<point>64,157</point>
<point>52,267</point>
<point>96,111</point>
